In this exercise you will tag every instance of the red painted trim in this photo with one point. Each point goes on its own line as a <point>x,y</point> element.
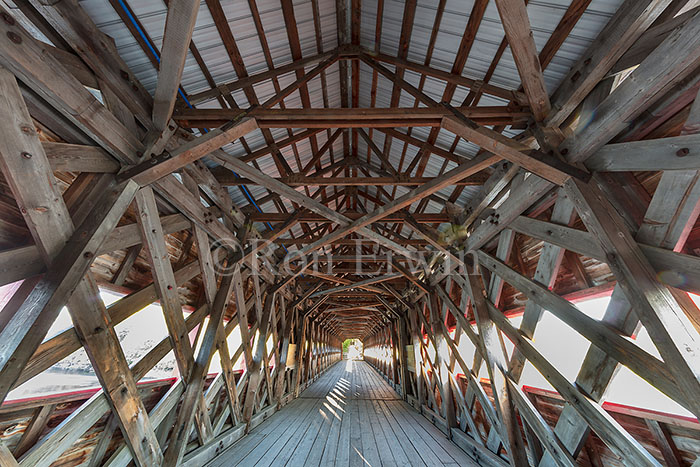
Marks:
<point>87,392</point>
<point>614,406</point>
<point>92,391</point>
<point>609,406</point>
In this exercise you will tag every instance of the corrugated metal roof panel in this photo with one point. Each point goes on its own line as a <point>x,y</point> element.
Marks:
<point>544,17</point>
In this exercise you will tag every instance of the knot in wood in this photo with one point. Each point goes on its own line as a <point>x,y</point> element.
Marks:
<point>682,152</point>
<point>7,18</point>
<point>14,37</point>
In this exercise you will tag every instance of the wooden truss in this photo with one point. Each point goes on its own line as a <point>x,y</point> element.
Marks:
<point>135,177</point>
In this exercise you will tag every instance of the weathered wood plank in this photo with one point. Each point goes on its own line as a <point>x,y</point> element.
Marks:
<point>87,310</point>
<point>28,60</point>
<point>673,153</point>
<point>33,431</point>
<point>601,422</point>
<point>98,51</point>
<point>168,162</point>
<point>497,362</point>
<point>164,280</point>
<point>516,24</point>
<point>195,379</point>
<point>668,64</point>
<point>629,22</point>
<point>667,324</point>
<point>30,323</point>
<point>179,25</point>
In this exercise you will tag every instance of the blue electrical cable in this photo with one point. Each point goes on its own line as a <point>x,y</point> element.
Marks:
<point>179,90</point>
<point>148,43</point>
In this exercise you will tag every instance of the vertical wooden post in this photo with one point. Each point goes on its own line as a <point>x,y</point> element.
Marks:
<point>441,358</point>
<point>416,338</point>
<point>401,324</point>
<point>301,341</point>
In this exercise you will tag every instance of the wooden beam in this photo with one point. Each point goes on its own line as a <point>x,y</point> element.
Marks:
<point>226,178</point>
<point>537,423</point>
<point>658,310</point>
<point>491,141</point>
<point>670,211</point>
<point>280,144</point>
<point>655,35</point>
<point>160,166</point>
<point>672,153</point>
<point>51,232</point>
<point>396,217</point>
<point>642,363</point>
<point>65,157</point>
<point>319,154</point>
<point>228,88</point>
<point>59,347</point>
<point>27,59</point>
<point>600,421</point>
<point>125,267</point>
<point>33,431</point>
<point>29,324</point>
<point>668,64</point>
<point>100,449</point>
<point>359,284</point>
<point>98,51</point>
<point>179,25</point>
<point>546,273</point>
<point>663,439</point>
<point>164,280</point>
<point>30,261</point>
<point>497,361</point>
<point>452,78</point>
<point>628,23</point>
<point>520,199</point>
<point>460,172</point>
<point>254,370</point>
<point>378,152</point>
<point>6,456</point>
<point>196,377</point>
<point>516,25</point>
<point>311,204</point>
<point>422,145</point>
<point>347,118</point>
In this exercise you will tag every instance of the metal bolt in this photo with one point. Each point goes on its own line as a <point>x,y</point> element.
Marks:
<point>682,152</point>
<point>14,37</point>
<point>26,155</point>
<point>87,254</point>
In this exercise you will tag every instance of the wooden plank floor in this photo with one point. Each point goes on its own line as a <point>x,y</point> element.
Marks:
<point>349,417</point>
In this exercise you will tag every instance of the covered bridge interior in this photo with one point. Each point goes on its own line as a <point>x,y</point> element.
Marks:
<point>202,202</point>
